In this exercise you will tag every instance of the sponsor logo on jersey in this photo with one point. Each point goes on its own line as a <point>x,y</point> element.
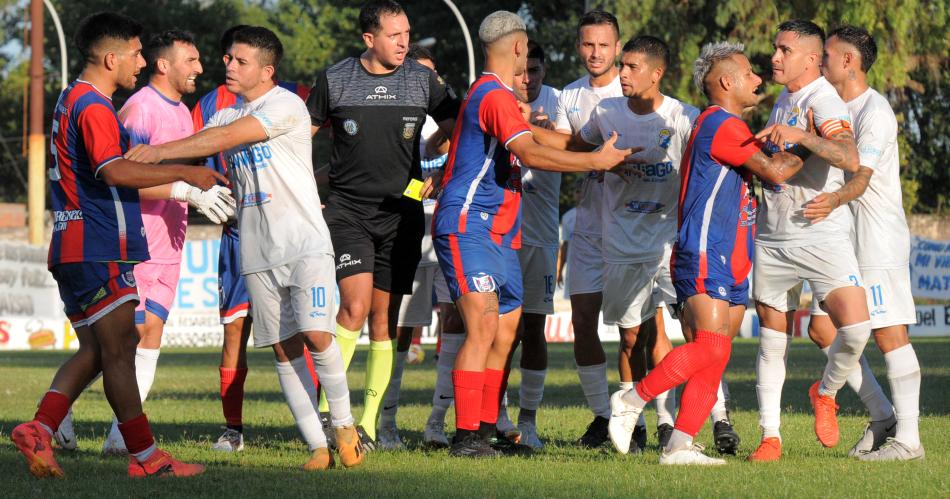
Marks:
<point>61,219</point>
<point>315,314</point>
<point>129,279</point>
<point>381,93</point>
<point>256,199</point>
<point>665,137</point>
<point>483,283</point>
<point>255,157</point>
<point>644,207</point>
<point>654,172</point>
<point>350,127</point>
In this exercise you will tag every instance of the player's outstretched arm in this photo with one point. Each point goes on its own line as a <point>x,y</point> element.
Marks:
<point>207,142</point>
<point>775,169</point>
<point>542,157</point>
<point>839,150</point>
<point>134,175</point>
<point>819,208</point>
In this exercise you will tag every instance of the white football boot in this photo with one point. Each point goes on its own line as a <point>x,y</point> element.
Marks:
<point>692,455</point>
<point>229,441</point>
<point>623,420</point>
<point>66,435</point>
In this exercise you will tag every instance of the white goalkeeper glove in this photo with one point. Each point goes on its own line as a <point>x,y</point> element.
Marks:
<point>216,203</point>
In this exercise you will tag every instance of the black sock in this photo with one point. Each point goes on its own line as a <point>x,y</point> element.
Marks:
<point>236,427</point>
<point>487,431</point>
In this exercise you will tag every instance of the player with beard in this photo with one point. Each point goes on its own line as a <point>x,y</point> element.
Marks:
<point>286,254</point>
<point>98,238</point>
<point>376,105</point>
<point>598,45</point>
<point>477,224</point>
<point>875,200</point>
<point>712,253</point>
<point>234,304</point>
<point>790,248</point>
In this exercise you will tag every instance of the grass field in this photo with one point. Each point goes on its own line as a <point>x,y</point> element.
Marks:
<point>186,414</point>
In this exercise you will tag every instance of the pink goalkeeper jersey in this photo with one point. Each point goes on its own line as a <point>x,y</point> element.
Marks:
<point>152,118</point>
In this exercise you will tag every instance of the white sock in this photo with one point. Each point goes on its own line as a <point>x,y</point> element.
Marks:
<point>301,395</point>
<point>444,389</point>
<point>863,382</point>
<point>146,361</point>
<point>903,372</point>
<point>531,390</point>
<point>596,390</point>
<point>145,454</point>
<point>844,356</point>
<point>631,397</point>
<point>387,415</point>
<point>769,378</point>
<point>329,367</point>
<point>719,412</point>
<point>666,407</point>
<point>679,440</point>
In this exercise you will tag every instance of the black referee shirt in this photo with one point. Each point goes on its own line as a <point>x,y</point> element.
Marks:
<point>376,122</point>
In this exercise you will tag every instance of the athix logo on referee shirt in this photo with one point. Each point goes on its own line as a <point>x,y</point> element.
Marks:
<point>381,93</point>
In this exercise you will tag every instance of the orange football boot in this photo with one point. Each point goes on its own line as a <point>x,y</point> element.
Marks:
<point>36,445</point>
<point>826,416</point>
<point>770,449</point>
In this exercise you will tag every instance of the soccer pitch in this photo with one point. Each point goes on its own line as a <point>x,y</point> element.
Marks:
<point>185,412</point>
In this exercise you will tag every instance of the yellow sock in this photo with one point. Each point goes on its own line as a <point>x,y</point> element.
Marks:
<point>379,370</point>
<point>346,339</point>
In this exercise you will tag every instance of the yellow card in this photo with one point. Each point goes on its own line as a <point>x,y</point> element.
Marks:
<point>414,190</point>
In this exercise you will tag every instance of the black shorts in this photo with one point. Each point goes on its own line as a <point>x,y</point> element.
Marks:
<point>383,239</point>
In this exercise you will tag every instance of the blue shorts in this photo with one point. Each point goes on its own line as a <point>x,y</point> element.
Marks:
<point>474,263</point>
<point>720,289</point>
<point>90,290</point>
<point>233,300</point>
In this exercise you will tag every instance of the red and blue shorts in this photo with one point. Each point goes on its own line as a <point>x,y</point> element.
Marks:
<point>91,290</point>
<point>233,299</point>
<point>720,289</point>
<point>473,263</point>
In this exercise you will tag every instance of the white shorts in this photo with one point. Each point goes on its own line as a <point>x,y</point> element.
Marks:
<point>586,265</point>
<point>890,299</point>
<point>299,296</point>
<point>664,294</point>
<point>441,288</point>
<point>778,273</point>
<point>538,268</point>
<point>628,293</point>
<point>416,309</point>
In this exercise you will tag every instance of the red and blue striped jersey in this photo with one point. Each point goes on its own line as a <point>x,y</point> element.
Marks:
<point>717,206</point>
<point>92,221</point>
<point>481,189</point>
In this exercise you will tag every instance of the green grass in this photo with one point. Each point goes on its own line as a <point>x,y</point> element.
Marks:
<point>186,415</point>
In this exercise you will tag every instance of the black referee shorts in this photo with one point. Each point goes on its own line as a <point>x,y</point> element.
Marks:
<point>385,240</point>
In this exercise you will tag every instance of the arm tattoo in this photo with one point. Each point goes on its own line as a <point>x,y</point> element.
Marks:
<point>837,151</point>
<point>855,186</point>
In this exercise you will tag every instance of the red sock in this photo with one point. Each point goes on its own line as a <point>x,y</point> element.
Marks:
<point>137,434</point>
<point>232,394</point>
<point>491,395</point>
<point>313,371</point>
<point>699,396</point>
<point>468,398</point>
<point>52,410</point>
<point>681,363</point>
<point>438,344</point>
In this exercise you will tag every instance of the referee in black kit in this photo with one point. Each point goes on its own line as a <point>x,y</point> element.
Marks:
<point>376,105</point>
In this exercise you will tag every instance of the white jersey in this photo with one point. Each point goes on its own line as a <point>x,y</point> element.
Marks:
<point>576,103</point>
<point>278,209</point>
<point>781,223</point>
<point>429,167</point>
<point>881,233</point>
<point>639,216</point>
<point>541,190</point>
